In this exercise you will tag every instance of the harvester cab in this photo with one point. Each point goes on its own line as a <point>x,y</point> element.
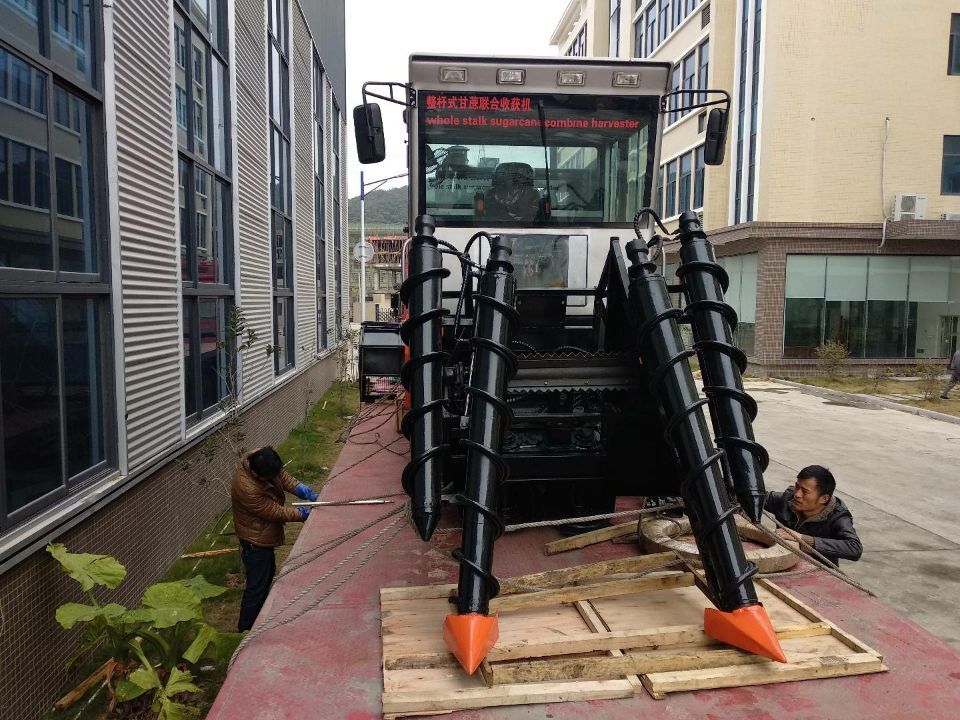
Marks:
<point>544,366</point>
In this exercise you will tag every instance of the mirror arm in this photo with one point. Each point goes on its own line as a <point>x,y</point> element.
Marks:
<point>409,102</point>
<point>725,100</point>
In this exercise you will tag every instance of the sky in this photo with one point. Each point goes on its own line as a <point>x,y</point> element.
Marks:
<point>382,34</point>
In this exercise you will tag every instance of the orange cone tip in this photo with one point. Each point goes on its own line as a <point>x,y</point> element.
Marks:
<point>747,628</point>
<point>470,638</point>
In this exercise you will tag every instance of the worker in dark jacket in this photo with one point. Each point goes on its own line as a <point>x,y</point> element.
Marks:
<point>258,517</point>
<point>816,516</point>
<point>954,376</point>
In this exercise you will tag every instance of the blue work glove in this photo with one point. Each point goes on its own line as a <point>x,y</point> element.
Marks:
<point>305,493</point>
<point>304,512</point>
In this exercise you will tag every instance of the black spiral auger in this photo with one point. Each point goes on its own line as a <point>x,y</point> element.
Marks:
<point>722,364</point>
<point>702,484</point>
<point>490,417</point>
<point>421,376</point>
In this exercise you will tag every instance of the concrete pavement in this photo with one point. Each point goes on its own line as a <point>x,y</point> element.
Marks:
<point>900,476</point>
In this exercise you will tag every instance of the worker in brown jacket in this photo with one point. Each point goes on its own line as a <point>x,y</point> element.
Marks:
<point>258,517</point>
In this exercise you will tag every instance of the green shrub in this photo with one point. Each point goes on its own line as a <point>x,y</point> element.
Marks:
<point>832,356</point>
<point>878,376</point>
<point>929,374</point>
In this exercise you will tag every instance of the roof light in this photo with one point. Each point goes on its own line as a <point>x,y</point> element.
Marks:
<point>626,79</point>
<point>453,75</point>
<point>510,76</point>
<point>570,77</point>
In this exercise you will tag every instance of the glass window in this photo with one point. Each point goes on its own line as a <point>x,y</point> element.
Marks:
<point>495,170</point>
<point>671,190</point>
<point>664,19</point>
<point>686,168</point>
<point>703,79</point>
<point>213,360</point>
<point>82,384</point>
<point>806,276</point>
<point>689,80</point>
<point>218,120</point>
<point>320,220</point>
<point>199,77</point>
<point>953,62</point>
<point>676,79</point>
<point>189,357</point>
<point>888,278</point>
<point>283,334</point>
<point>614,28</point>
<point>30,390</point>
<point>651,29</point>
<point>950,177</point>
<point>699,167</point>
<point>679,12</point>
<point>76,207</point>
<point>72,45</point>
<point>660,209</point>
<point>22,19</point>
<point>802,327</point>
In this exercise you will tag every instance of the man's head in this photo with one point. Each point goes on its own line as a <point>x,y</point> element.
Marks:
<point>813,489</point>
<point>265,463</point>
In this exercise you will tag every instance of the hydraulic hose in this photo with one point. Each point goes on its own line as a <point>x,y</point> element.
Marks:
<point>490,417</point>
<point>421,376</point>
<point>722,364</point>
<point>702,485</point>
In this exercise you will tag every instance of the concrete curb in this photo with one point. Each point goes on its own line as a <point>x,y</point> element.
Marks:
<point>867,400</point>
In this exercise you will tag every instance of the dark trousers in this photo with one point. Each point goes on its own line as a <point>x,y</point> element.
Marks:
<point>259,564</point>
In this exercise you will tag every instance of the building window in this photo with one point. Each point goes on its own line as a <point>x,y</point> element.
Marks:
<point>950,176</point>
<point>953,61</point>
<point>686,170</point>
<point>664,19</point>
<point>578,48</point>
<point>206,217</point>
<point>689,74</point>
<point>638,38</point>
<point>320,206</point>
<point>651,28</point>
<point>676,79</point>
<point>679,12</point>
<point>754,111</point>
<point>614,28</point>
<point>337,251</point>
<point>698,177</point>
<point>281,192</point>
<point>741,295</point>
<point>703,71</point>
<point>741,109</point>
<point>660,183</point>
<point>878,307</point>
<point>671,189</point>
<point>55,337</point>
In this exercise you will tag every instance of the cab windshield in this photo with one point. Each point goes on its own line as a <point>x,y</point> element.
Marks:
<point>483,161</point>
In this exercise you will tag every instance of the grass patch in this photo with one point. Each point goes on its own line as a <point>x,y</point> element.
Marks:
<point>866,386</point>
<point>310,451</point>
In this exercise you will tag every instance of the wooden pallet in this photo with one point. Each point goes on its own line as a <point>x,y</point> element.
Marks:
<point>599,631</point>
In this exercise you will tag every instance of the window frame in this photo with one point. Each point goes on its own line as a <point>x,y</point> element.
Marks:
<point>56,284</point>
<point>320,205</point>
<point>953,48</point>
<point>337,230</point>
<point>943,167</point>
<point>192,289</point>
<point>278,46</point>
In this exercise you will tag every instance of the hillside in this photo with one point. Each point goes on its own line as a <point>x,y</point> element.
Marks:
<point>383,207</point>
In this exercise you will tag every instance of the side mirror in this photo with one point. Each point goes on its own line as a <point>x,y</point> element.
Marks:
<point>368,129</point>
<point>715,146</point>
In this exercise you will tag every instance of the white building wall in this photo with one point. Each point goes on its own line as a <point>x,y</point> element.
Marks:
<point>149,301</point>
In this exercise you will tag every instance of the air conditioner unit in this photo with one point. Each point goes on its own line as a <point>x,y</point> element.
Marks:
<point>950,216</point>
<point>909,206</point>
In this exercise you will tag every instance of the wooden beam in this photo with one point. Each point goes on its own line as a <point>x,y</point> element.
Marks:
<point>608,668</point>
<point>760,674</point>
<point>590,538</point>
<point>416,702</point>
<point>585,592</point>
<point>596,623</point>
<point>674,637</point>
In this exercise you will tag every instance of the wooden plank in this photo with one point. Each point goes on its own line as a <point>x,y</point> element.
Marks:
<point>638,563</point>
<point>591,571</point>
<point>597,624</point>
<point>770,672</point>
<point>680,636</point>
<point>611,667</point>
<point>416,702</point>
<point>808,612</point>
<point>585,592</point>
<point>589,538</point>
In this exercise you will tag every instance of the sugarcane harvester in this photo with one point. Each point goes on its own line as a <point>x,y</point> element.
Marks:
<point>545,369</point>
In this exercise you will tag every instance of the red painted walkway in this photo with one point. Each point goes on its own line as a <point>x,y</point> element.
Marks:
<point>326,664</point>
